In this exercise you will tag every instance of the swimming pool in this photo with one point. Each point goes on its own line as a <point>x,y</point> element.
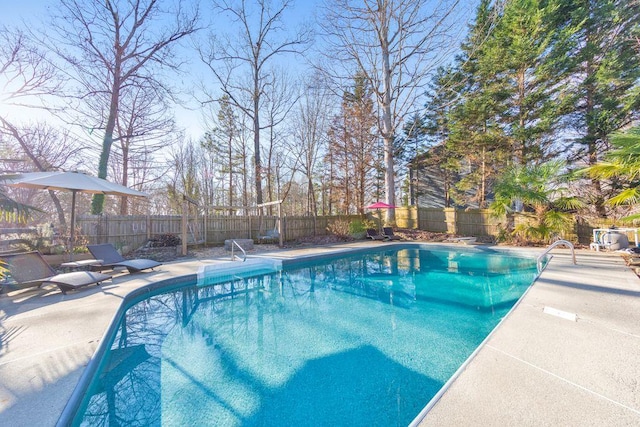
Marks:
<point>360,339</point>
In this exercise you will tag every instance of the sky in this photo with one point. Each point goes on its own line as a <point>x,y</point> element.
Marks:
<point>188,114</point>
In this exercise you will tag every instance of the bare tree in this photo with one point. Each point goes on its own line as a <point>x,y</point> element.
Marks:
<point>183,163</point>
<point>143,127</point>
<point>241,63</point>
<point>114,44</point>
<point>394,44</point>
<point>45,148</point>
<point>311,124</point>
<point>279,102</point>
<point>26,77</point>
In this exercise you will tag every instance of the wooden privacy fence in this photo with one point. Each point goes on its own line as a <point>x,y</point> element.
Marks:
<point>129,232</point>
<point>471,222</point>
<point>132,231</point>
<point>126,231</point>
<point>480,222</point>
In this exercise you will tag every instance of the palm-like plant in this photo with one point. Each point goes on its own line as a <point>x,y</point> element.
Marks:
<point>540,190</point>
<point>10,210</point>
<point>13,211</point>
<point>623,161</point>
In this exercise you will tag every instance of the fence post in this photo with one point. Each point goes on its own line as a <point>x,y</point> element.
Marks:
<point>451,218</point>
<point>204,226</point>
<point>283,228</point>
<point>184,225</point>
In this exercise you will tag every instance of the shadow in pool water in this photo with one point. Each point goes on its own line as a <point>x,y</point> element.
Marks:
<point>357,387</point>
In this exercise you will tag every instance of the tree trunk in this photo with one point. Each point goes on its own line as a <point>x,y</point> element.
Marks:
<point>256,138</point>
<point>97,203</point>
<point>124,200</point>
<point>230,153</point>
<point>483,188</point>
<point>520,151</point>
<point>591,140</point>
<point>387,131</point>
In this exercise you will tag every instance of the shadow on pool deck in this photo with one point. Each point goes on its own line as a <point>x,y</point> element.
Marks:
<point>536,369</point>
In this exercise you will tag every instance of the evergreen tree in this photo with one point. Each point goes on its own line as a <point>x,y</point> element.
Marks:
<point>523,51</point>
<point>605,75</point>
<point>352,143</point>
<point>475,129</point>
<point>427,137</point>
<point>220,142</point>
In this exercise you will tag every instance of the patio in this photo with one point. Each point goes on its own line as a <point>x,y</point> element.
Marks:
<point>537,368</point>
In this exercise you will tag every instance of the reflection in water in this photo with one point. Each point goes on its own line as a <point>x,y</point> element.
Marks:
<point>359,340</point>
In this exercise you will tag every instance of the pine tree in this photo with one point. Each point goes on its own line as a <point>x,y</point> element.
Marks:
<point>476,132</point>
<point>605,74</point>
<point>352,143</point>
<point>220,142</point>
<point>521,48</point>
<point>427,138</point>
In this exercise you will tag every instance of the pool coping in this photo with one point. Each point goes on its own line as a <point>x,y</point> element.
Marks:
<point>138,283</point>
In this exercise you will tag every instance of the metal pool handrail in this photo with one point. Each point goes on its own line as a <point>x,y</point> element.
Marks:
<point>234,243</point>
<point>553,245</point>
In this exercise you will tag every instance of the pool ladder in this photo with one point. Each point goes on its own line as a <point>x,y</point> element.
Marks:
<point>553,245</point>
<point>233,256</point>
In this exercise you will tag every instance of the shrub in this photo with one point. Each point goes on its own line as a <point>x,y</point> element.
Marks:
<point>339,227</point>
<point>358,228</point>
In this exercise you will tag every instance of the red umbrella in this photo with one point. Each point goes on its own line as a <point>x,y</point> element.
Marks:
<point>381,205</point>
<point>378,206</point>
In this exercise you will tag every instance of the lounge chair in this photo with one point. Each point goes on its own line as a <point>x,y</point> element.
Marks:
<point>373,234</point>
<point>111,258</point>
<point>388,233</point>
<point>30,269</point>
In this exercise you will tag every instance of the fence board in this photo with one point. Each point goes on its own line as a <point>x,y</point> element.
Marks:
<point>478,222</point>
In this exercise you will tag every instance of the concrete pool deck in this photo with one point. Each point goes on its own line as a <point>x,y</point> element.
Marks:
<point>537,368</point>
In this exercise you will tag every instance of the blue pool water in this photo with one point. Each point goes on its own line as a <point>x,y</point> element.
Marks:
<point>364,339</point>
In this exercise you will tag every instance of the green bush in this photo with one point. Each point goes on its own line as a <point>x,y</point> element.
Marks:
<point>358,228</point>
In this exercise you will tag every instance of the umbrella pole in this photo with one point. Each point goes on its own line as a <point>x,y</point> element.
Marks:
<point>72,235</point>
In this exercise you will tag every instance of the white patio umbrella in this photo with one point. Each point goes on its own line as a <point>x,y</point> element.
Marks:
<point>69,181</point>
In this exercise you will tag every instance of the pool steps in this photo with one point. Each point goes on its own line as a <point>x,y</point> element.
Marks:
<point>219,273</point>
